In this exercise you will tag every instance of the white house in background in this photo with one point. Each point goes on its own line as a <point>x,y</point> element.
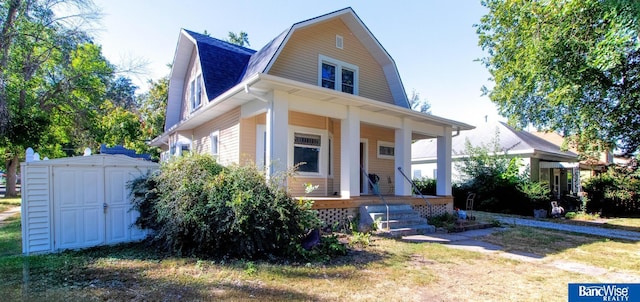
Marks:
<point>324,94</point>
<point>544,160</point>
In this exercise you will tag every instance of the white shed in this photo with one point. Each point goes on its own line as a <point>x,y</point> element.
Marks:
<point>79,202</point>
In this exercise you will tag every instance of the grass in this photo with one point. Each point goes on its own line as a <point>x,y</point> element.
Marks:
<point>7,203</point>
<point>620,255</point>
<point>384,270</point>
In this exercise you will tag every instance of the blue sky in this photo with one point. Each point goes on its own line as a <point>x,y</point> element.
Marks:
<point>433,43</point>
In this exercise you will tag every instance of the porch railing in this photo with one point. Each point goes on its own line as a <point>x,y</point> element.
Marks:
<point>417,191</point>
<point>376,192</point>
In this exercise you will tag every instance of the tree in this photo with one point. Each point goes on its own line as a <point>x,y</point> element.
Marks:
<point>51,77</point>
<point>241,39</point>
<point>417,104</point>
<point>571,66</point>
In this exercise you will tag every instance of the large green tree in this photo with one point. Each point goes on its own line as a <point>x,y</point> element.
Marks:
<point>51,77</point>
<point>571,66</point>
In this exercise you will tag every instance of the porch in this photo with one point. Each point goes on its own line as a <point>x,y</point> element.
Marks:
<point>334,210</point>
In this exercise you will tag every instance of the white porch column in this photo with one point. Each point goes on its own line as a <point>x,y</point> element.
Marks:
<point>403,158</point>
<point>443,175</point>
<point>350,153</point>
<point>277,132</point>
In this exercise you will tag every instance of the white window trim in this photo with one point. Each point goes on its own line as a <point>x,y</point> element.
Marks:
<point>339,66</point>
<point>217,135</point>
<point>195,92</point>
<point>385,144</point>
<point>339,42</point>
<point>322,159</point>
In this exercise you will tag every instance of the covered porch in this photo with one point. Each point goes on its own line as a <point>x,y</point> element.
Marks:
<point>356,136</point>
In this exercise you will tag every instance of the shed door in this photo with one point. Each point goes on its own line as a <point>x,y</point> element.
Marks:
<point>78,203</point>
<point>119,217</point>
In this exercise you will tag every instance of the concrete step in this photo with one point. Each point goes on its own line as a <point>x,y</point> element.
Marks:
<point>402,219</point>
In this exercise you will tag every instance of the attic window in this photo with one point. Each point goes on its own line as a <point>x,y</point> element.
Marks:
<point>339,41</point>
<point>195,91</point>
<point>337,75</point>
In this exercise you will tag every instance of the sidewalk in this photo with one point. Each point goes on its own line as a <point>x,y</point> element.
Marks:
<point>590,230</point>
<point>8,213</point>
<point>469,241</point>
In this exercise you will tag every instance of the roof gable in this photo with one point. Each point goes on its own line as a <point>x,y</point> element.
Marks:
<point>222,63</point>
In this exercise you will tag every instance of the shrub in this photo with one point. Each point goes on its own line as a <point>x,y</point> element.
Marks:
<point>197,207</point>
<point>615,192</point>
<point>426,186</point>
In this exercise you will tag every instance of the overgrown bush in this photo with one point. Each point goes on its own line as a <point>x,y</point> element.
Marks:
<point>615,192</point>
<point>496,180</point>
<point>197,207</point>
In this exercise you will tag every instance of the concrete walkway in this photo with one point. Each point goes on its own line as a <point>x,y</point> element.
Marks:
<point>590,230</point>
<point>469,241</point>
<point>8,213</point>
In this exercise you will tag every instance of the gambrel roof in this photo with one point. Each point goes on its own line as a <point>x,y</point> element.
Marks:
<point>225,65</point>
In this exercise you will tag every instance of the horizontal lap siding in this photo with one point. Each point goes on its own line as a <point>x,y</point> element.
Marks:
<point>383,167</point>
<point>37,216</point>
<point>192,71</point>
<point>307,120</point>
<point>299,58</point>
<point>229,127</point>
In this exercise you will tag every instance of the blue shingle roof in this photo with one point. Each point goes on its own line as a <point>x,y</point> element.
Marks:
<point>223,64</point>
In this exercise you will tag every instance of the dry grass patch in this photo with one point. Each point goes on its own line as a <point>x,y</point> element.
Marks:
<point>616,255</point>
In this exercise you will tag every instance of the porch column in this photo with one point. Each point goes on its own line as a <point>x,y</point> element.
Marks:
<point>403,158</point>
<point>350,153</point>
<point>277,132</point>
<point>443,164</point>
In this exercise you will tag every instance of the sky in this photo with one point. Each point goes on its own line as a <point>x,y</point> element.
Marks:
<point>433,43</point>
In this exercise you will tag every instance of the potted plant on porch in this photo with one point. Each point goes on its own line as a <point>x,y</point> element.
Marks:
<point>538,193</point>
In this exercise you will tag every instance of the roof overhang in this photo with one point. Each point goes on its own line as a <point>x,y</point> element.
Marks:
<point>251,89</point>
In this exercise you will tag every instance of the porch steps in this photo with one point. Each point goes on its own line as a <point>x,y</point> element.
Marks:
<point>403,220</point>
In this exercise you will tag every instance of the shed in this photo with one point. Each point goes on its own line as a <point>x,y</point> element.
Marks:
<point>79,202</point>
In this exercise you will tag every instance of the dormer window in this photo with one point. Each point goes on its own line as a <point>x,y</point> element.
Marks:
<point>195,92</point>
<point>333,71</point>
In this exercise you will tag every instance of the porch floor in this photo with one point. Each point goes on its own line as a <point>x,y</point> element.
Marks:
<point>331,202</point>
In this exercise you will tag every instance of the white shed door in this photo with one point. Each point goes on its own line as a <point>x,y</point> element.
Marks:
<point>119,217</point>
<point>79,215</point>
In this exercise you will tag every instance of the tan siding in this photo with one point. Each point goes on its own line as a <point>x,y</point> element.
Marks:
<point>299,59</point>
<point>383,167</point>
<point>229,127</point>
<point>296,186</point>
<point>307,120</point>
<point>248,139</point>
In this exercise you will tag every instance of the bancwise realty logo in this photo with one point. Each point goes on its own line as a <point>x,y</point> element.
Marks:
<point>603,292</point>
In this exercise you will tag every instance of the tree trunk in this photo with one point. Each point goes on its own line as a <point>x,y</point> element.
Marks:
<point>12,172</point>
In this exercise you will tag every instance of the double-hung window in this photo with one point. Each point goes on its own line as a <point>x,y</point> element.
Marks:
<point>215,144</point>
<point>195,92</point>
<point>338,75</point>
<point>306,152</point>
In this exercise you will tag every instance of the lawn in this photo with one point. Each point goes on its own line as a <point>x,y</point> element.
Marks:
<point>386,270</point>
<point>6,203</point>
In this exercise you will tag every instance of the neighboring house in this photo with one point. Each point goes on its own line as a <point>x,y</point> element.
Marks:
<point>543,160</point>
<point>324,95</point>
<point>588,167</point>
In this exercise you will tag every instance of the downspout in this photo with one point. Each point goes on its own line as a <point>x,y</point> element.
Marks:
<point>248,91</point>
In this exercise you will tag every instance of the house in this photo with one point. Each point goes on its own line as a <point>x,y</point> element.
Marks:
<point>541,159</point>
<point>323,95</point>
